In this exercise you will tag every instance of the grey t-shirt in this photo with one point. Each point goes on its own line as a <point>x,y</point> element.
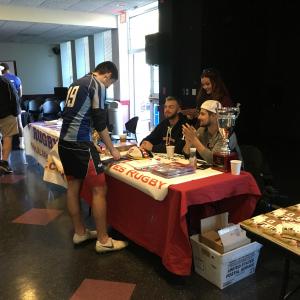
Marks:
<point>213,142</point>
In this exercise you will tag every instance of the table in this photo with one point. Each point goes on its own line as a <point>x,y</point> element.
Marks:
<point>160,226</point>
<point>40,138</point>
<point>41,143</point>
<point>279,229</point>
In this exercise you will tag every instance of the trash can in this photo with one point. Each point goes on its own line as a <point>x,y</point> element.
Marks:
<point>115,116</point>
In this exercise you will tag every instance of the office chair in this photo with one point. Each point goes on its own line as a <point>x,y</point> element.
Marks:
<point>130,126</point>
<point>34,109</point>
<point>256,164</point>
<point>50,110</point>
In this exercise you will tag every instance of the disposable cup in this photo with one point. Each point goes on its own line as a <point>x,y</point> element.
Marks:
<point>235,166</point>
<point>122,138</point>
<point>170,151</point>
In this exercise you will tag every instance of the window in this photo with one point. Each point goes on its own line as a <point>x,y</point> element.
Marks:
<point>141,25</point>
<point>144,81</point>
<point>103,52</point>
<point>82,56</point>
<point>66,63</point>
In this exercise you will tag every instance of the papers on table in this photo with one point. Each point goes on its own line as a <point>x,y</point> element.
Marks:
<point>143,164</point>
<point>54,122</point>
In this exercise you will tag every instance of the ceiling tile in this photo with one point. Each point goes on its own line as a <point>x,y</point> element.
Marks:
<point>17,31</point>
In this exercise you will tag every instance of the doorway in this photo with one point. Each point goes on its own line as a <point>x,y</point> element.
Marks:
<point>143,79</point>
<point>141,91</point>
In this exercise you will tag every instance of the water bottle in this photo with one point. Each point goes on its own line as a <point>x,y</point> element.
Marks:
<point>193,157</point>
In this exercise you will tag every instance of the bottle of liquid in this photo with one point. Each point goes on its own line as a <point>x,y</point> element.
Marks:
<point>193,157</point>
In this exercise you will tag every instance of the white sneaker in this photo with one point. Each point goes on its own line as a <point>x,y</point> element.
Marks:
<point>111,245</point>
<point>21,143</point>
<point>89,235</point>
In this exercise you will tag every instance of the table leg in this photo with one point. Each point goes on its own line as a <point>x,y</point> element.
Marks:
<point>285,278</point>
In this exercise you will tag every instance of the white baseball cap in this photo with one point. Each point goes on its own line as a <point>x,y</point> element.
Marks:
<point>211,105</point>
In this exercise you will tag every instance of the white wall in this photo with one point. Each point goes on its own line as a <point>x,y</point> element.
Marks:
<point>37,66</point>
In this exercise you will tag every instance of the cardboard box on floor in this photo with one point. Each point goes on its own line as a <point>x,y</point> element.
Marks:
<point>220,236</point>
<point>224,269</point>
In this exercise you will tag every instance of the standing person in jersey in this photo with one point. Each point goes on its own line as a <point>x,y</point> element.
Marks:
<point>84,111</point>
<point>16,82</point>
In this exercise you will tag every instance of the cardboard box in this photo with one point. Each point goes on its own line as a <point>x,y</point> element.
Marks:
<point>220,236</point>
<point>224,269</point>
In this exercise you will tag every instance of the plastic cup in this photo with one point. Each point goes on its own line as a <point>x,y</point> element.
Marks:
<point>235,166</point>
<point>122,138</point>
<point>170,151</point>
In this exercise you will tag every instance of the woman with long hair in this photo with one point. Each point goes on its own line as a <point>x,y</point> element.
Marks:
<point>212,87</point>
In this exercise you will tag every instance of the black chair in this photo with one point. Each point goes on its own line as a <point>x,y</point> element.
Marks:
<point>34,110</point>
<point>130,126</point>
<point>50,110</point>
<point>255,163</point>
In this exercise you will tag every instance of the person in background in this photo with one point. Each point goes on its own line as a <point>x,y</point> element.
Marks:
<point>207,138</point>
<point>9,110</point>
<point>16,81</point>
<point>83,112</point>
<point>212,87</point>
<point>167,132</point>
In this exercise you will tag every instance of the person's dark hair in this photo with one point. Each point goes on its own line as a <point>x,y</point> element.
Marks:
<point>5,66</point>
<point>169,98</point>
<point>219,90</point>
<point>108,67</point>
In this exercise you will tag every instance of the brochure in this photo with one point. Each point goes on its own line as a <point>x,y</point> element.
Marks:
<point>172,169</point>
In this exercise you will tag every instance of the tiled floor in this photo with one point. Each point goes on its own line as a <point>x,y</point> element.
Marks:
<point>40,262</point>
<point>91,289</point>
<point>38,216</point>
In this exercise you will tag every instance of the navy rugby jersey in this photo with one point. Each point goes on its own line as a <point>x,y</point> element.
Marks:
<point>84,110</point>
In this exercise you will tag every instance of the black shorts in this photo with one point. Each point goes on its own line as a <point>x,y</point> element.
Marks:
<point>76,156</point>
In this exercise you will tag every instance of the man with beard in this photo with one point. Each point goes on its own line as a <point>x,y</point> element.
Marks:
<point>169,131</point>
<point>207,138</point>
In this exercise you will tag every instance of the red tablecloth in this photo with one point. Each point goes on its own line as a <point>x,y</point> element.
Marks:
<point>161,227</point>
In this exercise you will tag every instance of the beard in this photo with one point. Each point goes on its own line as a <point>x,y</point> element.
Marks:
<point>204,123</point>
<point>173,116</point>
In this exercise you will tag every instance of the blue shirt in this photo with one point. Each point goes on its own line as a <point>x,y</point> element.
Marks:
<point>84,110</point>
<point>15,80</point>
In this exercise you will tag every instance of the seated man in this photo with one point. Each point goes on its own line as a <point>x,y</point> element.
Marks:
<point>207,138</point>
<point>167,132</point>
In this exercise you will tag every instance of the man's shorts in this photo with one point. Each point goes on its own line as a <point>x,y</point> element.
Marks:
<point>9,126</point>
<point>81,160</point>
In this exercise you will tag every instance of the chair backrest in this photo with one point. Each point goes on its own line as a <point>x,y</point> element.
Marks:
<point>50,99</point>
<point>34,110</point>
<point>131,125</point>
<point>50,107</point>
<point>50,110</point>
<point>34,106</point>
<point>255,163</point>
